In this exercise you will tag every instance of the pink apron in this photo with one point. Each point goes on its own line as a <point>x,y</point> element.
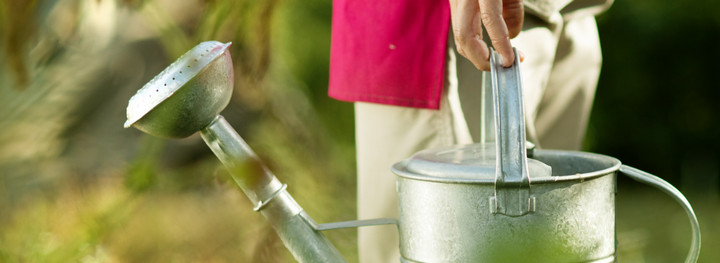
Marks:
<point>390,52</point>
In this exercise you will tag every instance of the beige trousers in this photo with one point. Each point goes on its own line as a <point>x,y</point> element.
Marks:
<point>559,77</point>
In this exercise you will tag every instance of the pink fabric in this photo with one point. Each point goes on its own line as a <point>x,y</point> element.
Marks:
<point>389,51</point>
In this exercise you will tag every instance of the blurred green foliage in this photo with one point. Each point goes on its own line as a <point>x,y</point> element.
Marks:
<point>656,105</point>
<point>76,187</point>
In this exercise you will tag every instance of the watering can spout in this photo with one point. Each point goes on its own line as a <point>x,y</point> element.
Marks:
<point>187,97</point>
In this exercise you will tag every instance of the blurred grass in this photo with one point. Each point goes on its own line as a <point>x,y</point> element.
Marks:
<point>76,187</point>
<point>652,227</point>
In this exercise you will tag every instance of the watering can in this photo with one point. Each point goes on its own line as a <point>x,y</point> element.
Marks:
<point>489,202</point>
<point>485,202</point>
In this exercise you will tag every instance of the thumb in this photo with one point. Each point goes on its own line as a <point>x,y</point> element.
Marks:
<point>513,14</point>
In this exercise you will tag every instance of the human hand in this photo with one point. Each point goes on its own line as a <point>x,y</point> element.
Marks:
<point>503,20</point>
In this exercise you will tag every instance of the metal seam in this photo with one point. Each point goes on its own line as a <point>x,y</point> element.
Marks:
<point>262,204</point>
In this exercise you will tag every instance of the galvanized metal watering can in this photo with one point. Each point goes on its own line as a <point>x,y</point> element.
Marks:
<point>478,203</point>
<point>488,202</point>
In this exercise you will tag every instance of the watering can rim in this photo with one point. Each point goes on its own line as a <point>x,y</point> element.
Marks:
<point>612,164</point>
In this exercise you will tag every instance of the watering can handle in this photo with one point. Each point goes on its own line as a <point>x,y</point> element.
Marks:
<point>666,187</point>
<point>512,181</point>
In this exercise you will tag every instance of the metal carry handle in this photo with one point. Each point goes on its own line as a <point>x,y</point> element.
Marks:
<point>512,182</point>
<point>666,187</point>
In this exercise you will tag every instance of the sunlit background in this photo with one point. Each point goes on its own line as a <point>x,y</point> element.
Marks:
<point>77,187</point>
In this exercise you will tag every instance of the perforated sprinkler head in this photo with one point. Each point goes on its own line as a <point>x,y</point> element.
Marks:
<point>187,95</point>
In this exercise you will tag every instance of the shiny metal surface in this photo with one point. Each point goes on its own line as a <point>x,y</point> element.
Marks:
<point>262,187</point>
<point>187,95</point>
<point>451,221</point>
<point>463,163</point>
<point>487,110</point>
<point>512,196</point>
<point>558,206</point>
<point>488,203</point>
<point>260,205</point>
<point>348,224</point>
<point>583,165</point>
<point>246,169</point>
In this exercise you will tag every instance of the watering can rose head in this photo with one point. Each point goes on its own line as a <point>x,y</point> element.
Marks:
<point>187,95</point>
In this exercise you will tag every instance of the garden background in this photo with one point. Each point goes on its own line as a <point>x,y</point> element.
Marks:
<point>77,187</point>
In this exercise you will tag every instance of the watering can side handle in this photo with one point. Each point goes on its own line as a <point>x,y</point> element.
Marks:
<point>347,224</point>
<point>669,189</point>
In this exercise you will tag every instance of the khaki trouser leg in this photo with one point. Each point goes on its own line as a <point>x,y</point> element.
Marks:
<point>386,135</point>
<point>564,110</point>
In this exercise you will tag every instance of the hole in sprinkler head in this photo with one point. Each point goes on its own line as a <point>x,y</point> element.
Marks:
<point>181,72</point>
<point>165,84</point>
<point>173,78</point>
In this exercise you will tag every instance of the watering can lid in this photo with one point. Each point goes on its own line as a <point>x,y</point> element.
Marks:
<point>473,162</point>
